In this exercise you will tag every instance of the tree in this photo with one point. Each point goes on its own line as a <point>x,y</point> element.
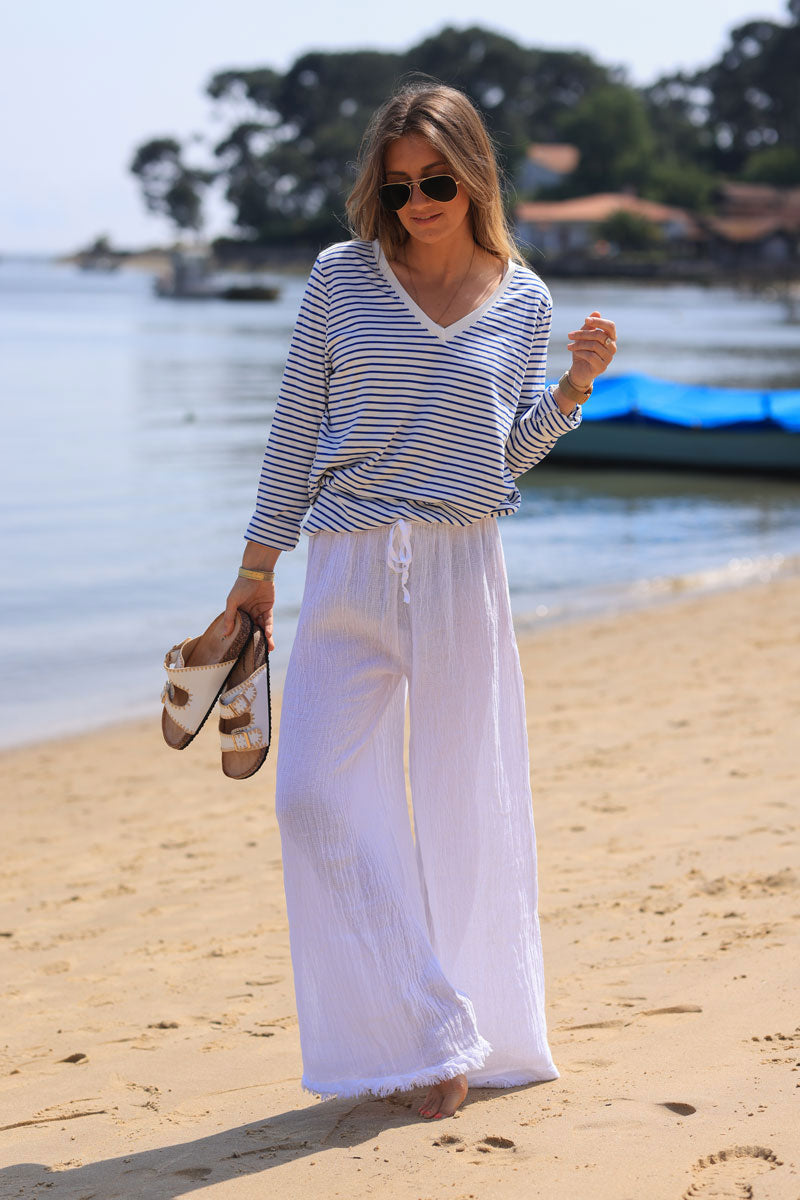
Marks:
<point>755,90</point>
<point>629,231</point>
<point>169,186</point>
<point>288,165</point>
<point>778,165</point>
<point>610,127</point>
<point>682,184</point>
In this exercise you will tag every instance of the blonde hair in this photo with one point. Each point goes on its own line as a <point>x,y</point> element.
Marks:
<point>448,120</point>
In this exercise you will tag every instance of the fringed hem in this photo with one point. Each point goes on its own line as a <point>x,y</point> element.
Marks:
<point>458,1065</point>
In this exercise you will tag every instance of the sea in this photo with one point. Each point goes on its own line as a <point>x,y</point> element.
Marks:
<point>133,432</point>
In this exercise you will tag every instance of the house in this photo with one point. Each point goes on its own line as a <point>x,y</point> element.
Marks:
<point>561,227</point>
<point>546,164</point>
<point>755,224</point>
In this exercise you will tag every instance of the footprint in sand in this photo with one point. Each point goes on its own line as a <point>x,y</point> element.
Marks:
<point>673,1008</point>
<point>727,1174</point>
<point>494,1142</point>
<point>194,1173</point>
<point>491,1142</point>
<point>601,1024</point>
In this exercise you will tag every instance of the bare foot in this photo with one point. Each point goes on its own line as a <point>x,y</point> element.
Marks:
<point>444,1097</point>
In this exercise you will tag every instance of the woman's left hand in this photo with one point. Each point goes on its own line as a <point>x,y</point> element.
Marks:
<point>593,347</point>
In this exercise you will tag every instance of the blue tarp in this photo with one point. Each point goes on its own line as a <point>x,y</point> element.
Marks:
<point>646,398</point>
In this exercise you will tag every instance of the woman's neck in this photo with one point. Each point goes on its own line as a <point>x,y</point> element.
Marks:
<point>440,260</point>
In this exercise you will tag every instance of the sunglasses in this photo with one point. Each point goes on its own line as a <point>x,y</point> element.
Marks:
<point>440,188</point>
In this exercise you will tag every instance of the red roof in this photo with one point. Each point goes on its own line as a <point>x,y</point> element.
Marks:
<point>751,229</point>
<point>561,157</point>
<point>758,199</point>
<point>598,208</point>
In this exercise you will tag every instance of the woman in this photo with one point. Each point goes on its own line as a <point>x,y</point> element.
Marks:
<point>413,396</point>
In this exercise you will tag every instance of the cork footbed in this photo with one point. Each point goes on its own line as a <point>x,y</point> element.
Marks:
<point>209,648</point>
<point>239,764</point>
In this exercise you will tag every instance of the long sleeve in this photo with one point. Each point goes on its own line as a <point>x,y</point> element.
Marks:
<point>283,497</point>
<point>538,422</point>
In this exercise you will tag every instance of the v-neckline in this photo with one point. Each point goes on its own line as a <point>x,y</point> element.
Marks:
<point>445,333</point>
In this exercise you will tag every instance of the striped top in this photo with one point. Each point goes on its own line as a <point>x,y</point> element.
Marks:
<point>384,414</point>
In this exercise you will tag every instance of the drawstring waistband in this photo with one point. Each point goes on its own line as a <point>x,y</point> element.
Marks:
<point>398,561</point>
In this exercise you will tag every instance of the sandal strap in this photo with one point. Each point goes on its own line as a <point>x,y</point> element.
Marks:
<point>249,698</point>
<point>250,738</point>
<point>202,683</point>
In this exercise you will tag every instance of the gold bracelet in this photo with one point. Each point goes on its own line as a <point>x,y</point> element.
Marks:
<point>571,391</point>
<point>258,576</point>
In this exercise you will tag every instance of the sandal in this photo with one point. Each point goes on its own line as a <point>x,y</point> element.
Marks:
<point>245,726</point>
<point>197,670</point>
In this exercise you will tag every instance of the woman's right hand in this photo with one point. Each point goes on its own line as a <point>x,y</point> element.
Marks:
<point>257,599</point>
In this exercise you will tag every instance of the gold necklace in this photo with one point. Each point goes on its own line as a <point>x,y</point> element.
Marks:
<point>438,320</point>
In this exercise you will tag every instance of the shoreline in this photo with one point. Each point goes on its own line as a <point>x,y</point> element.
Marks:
<point>641,596</point>
<point>151,1040</point>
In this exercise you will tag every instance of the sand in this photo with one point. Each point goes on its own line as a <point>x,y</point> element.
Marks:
<point>150,1043</point>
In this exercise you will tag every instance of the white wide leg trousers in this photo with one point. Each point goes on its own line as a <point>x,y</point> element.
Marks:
<point>416,956</point>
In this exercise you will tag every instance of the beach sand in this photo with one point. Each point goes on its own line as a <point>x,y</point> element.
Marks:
<point>150,1044</point>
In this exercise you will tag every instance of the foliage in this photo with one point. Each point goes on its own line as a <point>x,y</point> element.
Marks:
<point>776,165</point>
<point>610,126</point>
<point>682,185</point>
<point>629,231</point>
<point>169,186</point>
<point>754,90</point>
<point>286,163</point>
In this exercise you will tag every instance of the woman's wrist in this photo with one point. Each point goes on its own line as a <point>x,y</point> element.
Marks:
<point>259,558</point>
<point>567,394</point>
<point>256,576</point>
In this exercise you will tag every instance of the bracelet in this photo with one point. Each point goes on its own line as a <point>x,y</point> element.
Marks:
<point>258,576</point>
<point>571,391</point>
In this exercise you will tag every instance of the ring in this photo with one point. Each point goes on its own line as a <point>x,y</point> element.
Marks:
<point>608,341</point>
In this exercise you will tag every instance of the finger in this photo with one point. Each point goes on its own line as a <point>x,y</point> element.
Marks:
<point>596,342</point>
<point>606,352</point>
<point>602,323</point>
<point>230,618</point>
<point>599,334</point>
<point>591,358</point>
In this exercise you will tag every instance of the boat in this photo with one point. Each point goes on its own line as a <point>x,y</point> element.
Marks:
<point>101,263</point>
<point>191,277</point>
<point>640,420</point>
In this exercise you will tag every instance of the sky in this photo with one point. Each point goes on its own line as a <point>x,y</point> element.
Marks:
<point>84,82</point>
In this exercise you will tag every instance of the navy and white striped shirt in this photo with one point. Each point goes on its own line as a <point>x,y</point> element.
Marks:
<point>384,414</point>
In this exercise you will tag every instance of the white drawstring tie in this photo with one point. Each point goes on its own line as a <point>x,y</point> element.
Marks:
<point>398,561</point>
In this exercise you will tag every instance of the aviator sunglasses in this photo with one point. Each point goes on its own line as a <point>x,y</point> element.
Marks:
<point>440,188</point>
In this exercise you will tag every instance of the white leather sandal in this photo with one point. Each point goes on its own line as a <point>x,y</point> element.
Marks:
<point>245,726</point>
<point>197,671</point>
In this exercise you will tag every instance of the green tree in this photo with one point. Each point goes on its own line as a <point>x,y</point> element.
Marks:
<point>777,165</point>
<point>289,165</point>
<point>629,231</point>
<point>682,184</point>
<point>677,108</point>
<point>610,127</point>
<point>755,90</point>
<point>169,186</point>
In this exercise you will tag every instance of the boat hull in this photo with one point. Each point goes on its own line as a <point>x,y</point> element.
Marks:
<point>762,450</point>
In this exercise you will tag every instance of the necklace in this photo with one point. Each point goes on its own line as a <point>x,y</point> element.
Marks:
<point>438,320</point>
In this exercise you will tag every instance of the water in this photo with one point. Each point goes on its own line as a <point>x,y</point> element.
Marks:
<point>133,431</point>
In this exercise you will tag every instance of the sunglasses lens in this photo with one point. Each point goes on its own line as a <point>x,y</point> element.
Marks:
<point>440,188</point>
<point>394,195</point>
